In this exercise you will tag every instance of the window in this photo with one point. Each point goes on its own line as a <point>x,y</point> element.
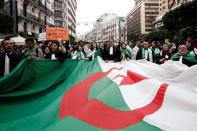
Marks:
<point>58,14</point>
<point>148,30</point>
<point>151,4</point>
<point>58,23</point>
<point>33,10</point>
<point>57,4</point>
<point>149,25</point>
<point>178,2</point>
<point>24,9</point>
<point>45,19</point>
<point>40,30</point>
<point>33,27</point>
<point>39,15</point>
<point>25,26</point>
<point>151,13</point>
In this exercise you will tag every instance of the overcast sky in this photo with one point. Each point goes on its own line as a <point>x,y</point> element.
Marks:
<point>90,10</point>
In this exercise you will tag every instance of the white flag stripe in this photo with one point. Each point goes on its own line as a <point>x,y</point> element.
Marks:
<point>140,94</point>
<point>179,109</point>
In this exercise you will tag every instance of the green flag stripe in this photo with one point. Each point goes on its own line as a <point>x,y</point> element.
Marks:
<point>34,102</point>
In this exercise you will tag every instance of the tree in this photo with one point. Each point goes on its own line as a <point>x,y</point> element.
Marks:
<point>181,17</point>
<point>159,35</point>
<point>189,32</point>
<point>1,4</point>
<point>6,23</point>
<point>133,37</point>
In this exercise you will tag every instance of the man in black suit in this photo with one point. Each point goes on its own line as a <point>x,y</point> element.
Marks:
<point>145,53</point>
<point>111,52</point>
<point>9,59</point>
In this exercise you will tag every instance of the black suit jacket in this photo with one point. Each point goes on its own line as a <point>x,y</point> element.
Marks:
<point>186,62</point>
<point>15,59</point>
<point>59,55</point>
<point>163,56</point>
<point>116,53</point>
<point>139,55</point>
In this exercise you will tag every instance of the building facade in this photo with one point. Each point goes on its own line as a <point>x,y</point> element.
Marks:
<point>65,15</point>
<point>71,17</point>
<point>60,12</point>
<point>107,26</point>
<point>33,16</point>
<point>140,19</point>
<point>165,6</point>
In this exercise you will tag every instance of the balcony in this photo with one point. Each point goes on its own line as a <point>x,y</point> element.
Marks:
<point>58,18</point>
<point>49,24</point>
<point>58,8</point>
<point>38,3</point>
<point>32,18</point>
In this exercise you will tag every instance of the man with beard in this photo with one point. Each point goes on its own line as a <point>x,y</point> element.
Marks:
<point>111,52</point>
<point>9,59</point>
<point>33,52</point>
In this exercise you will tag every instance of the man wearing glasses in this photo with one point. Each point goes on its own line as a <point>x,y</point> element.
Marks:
<point>9,59</point>
<point>183,57</point>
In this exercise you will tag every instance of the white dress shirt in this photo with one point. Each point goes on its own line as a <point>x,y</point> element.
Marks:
<point>7,65</point>
<point>111,50</point>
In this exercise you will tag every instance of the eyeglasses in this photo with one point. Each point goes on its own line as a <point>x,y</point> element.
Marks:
<point>182,48</point>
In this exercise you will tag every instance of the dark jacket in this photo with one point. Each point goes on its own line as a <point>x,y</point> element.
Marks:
<point>139,55</point>
<point>166,56</point>
<point>15,58</point>
<point>116,53</point>
<point>58,54</point>
<point>47,56</point>
<point>186,62</point>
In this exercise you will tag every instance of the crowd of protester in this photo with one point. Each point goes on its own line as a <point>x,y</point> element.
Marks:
<point>157,52</point>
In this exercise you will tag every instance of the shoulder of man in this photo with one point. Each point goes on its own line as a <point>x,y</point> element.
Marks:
<point>17,53</point>
<point>1,54</point>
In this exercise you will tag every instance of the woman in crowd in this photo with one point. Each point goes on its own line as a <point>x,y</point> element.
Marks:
<point>70,52</point>
<point>86,49</point>
<point>95,51</point>
<point>58,51</point>
<point>79,54</point>
<point>164,55</point>
<point>125,53</point>
<point>190,44</point>
<point>47,52</point>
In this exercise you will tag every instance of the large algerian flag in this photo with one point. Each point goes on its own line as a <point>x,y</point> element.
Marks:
<point>92,96</point>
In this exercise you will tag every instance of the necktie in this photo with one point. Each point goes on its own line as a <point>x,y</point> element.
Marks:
<point>7,65</point>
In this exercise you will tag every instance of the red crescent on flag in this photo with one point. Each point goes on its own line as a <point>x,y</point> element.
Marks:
<point>94,112</point>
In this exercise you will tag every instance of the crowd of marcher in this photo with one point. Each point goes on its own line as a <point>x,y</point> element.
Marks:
<point>157,52</point>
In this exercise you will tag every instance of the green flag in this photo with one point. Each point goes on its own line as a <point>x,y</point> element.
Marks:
<point>46,95</point>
